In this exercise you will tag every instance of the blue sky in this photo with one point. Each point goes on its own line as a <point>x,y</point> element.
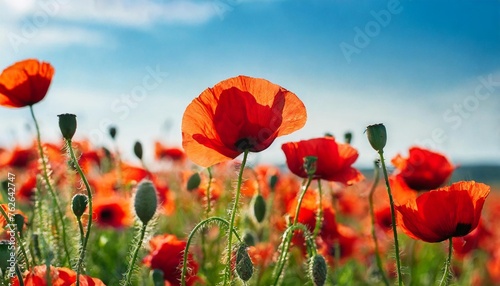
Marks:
<point>429,70</point>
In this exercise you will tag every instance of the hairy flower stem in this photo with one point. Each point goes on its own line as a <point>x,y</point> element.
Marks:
<point>130,270</point>
<point>445,280</point>
<point>89,224</point>
<point>45,175</point>
<point>288,239</point>
<point>227,270</point>
<point>319,212</point>
<point>372,215</point>
<point>393,217</point>
<point>209,185</point>
<point>18,238</point>
<point>190,239</point>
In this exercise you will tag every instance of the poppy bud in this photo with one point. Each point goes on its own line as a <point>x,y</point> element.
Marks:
<point>193,182</point>
<point>318,270</point>
<point>259,207</point>
<point>348,137</point>
<point>377,136</point>
<point>244,265</point>
<point>112,132</point>
<point>67,124</point>
<point>79,204</point>
<point>273,181</point>
<point>145,201</point>
<point>138,150</point>
<point>249,238</point>
<point>157,276</point>
<point>310,165</point>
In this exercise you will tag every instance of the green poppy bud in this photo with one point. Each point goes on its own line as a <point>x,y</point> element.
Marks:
<point>273,180</point>
<point>112,132</point>
<point>145,201</point>
<point>377,136</point>
<point>193,182</point>
<point>157,276</point>
<point>348,137</point>
<point>244,265</point>
<point>259,207</point>
<point>138,150</point>
<point>318,270</point>
<point>67,124</point>
<point>249,238</point>
<point>79,204</point>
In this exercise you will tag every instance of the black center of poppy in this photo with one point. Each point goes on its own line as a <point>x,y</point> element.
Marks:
<point>462,229</point>
<point>244,144</point>
<point>106,214</point>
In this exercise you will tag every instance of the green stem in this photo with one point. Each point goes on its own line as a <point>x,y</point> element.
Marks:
<point>190,238</point>
<point>128,276</point>
<point>80,226</point>
<point>89,224</point>
<point>286,244</point>
<point>446,275</point>
<point>374,235</point>
<point>209,185</point>
<point>319,213</point>
<point>45,175</point>
<point>227,270</point>
<point>393,218</point>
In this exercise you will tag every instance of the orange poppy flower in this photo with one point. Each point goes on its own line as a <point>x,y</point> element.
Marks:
<point>112,211</point>
<point>25,83</point>
<point>166,254</point>
<point>172,153</point>
<point>237,114</point>
<point>452,211</point>
<point>334,159</point>
<point>423,169</point>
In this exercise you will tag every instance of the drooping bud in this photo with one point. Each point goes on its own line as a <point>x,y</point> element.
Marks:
<point>377,136</point>
<point>318,270</point>
<point>259,207</point>
<point>112,132</point>
<point>193,182</point>
<point>138,150</point>
<point>310,165</point>
<point>79,204</point>
<point>244,265</point>
<point>145,201</point>
<point>67,124</point>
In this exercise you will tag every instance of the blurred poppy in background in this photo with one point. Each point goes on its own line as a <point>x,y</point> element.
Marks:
<point>334,159</point>
<point>238,114</point>
<point>25,83</point>
<point>423,169</point>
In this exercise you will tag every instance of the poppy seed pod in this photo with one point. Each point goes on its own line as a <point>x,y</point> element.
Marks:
<point>377,136</point>
<point>318,270</point>
<point>244,265</point>
<point>138,150</point>
<point>67,124</point>
<point>193,182</point>
<point>79,204</point>
<point>259,207</point>
<point>145,201</point>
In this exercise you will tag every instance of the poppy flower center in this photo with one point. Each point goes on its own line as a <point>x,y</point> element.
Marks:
<point>106,215</point>
<point>462,229</point>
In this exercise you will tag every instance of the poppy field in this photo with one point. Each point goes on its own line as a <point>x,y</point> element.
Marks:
<point>73,213</point>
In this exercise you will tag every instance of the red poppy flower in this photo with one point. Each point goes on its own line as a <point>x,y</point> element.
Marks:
<point>334,159</point>
<point>25,83</point>
<point>18,158</point>
<point>423,169</point>
<point>167,255</point>
<point>172,153</point>
<point>112,211</point>
<point>61,276</point>
<point>452,211</point>
<point>237,114</point>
